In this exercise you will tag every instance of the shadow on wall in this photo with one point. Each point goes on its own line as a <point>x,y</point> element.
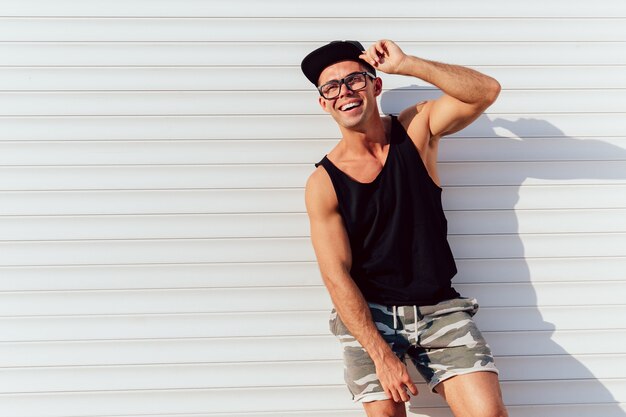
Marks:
<point>393,101</point>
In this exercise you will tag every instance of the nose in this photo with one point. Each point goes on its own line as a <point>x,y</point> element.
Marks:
<point>344,90</point>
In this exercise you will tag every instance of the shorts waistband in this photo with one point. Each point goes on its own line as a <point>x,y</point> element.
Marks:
<point>444,307</point>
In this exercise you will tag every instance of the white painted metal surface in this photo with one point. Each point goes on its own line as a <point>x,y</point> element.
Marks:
<point>154,246</point>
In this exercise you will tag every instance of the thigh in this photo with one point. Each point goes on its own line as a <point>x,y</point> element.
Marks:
<point>385,408</point>
<point>450,344</point>
<point>473,395</point>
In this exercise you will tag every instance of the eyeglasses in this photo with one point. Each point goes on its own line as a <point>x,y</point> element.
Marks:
<point>354,82</point>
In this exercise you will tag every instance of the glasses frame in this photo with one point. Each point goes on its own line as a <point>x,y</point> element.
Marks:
<point>343,82</point>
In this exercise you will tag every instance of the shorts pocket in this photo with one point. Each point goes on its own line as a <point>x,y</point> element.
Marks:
<point>332,322</point>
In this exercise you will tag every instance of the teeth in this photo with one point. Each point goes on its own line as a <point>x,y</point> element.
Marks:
<point>350,106</point>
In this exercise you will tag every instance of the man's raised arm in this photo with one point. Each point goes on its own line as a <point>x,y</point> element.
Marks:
<point>467,93</point>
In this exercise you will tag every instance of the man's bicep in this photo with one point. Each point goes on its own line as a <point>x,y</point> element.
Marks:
<point>328,234</point>
<point>331,245</point>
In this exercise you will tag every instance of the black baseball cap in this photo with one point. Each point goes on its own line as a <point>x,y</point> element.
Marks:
<point>314,63</point>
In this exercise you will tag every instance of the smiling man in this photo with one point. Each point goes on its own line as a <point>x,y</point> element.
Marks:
<point>380,234</point>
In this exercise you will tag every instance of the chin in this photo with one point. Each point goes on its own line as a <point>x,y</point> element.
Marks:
<point>352,122</point>
<point>349,123</point>
<point>353,126</point>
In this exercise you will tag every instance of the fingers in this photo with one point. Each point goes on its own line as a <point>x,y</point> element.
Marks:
<point>376,53</point>
<point>393,394</point>
<point>373,61</point>
<point>381,48</point>
<point>404,397</point>
<point>399,392</point>
<point>384,55</point>
<point>402,389</point>
<point>395,380</point>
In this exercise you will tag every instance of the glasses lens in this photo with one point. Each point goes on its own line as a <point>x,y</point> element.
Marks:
<point>355,81</point>
<point>331,89</point>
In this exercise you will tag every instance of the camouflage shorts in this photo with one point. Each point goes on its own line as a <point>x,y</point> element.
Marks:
<point>442,341</point>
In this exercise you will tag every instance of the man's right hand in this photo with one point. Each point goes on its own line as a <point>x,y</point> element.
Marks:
<point>394,377</point>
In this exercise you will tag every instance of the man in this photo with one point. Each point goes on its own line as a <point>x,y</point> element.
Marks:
<point>379,232</point>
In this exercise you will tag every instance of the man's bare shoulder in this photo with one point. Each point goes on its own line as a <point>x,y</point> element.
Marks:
<point>319,193</point>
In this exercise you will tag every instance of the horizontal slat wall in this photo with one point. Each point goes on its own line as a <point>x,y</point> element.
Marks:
<point>264,374</point>
<point>243,325</point>
<point>286,8</point>
<point>274,78</point>
<point>285,399</point>
<point>288,103</point>
<point>266,29</point>
<point>276,348</point>
<point>206,53</point>
<point>154,247</point>
<point>238,127</point>
<point>37,303</point>
<point>275,274</point>
<point>175,152</point>
<point>287,224</point>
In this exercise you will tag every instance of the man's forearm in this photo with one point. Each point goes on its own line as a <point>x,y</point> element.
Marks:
<point>464,84</point>
<point>355,314</point>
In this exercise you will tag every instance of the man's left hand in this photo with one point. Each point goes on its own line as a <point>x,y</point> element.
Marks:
<point>386,56</point>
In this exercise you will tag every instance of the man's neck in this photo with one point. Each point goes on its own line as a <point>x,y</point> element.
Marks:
<point>368,140</point>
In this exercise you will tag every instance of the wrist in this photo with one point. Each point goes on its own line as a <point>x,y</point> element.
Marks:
<point>412,66</point>
<point>407,65</point>
<point>382,355</point>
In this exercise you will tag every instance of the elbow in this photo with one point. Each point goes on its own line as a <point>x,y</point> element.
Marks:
<point>492,91</point>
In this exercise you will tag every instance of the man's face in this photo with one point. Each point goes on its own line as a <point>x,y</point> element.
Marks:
<point>350,109</point>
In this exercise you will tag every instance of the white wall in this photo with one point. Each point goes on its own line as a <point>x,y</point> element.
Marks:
<point>154,247</point>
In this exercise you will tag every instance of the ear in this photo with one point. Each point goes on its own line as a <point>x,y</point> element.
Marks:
<point>378,86</point>
<point>323,104</point>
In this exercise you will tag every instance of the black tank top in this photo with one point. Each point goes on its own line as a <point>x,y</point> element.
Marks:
<point>397,228</point>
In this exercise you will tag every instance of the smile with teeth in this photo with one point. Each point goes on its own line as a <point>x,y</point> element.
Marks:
<point>350,105</point>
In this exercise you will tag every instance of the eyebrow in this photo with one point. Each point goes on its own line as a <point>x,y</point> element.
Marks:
<point>337,80</point>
